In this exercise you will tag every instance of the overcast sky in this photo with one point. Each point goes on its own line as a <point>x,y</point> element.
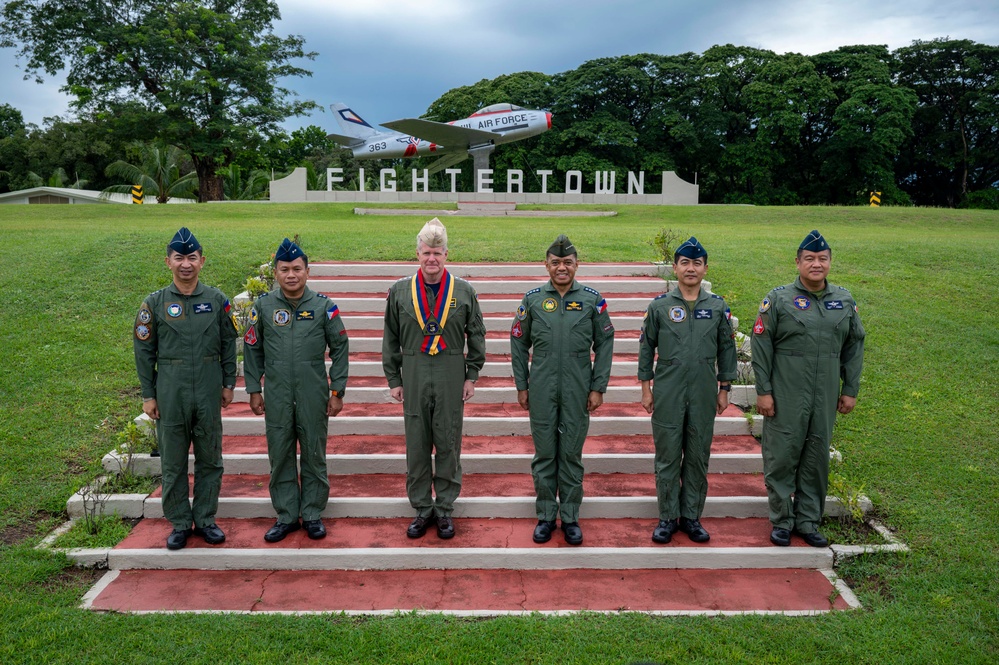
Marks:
<point>390,59</point>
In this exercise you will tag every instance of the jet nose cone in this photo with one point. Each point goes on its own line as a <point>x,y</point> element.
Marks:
<point>548,117</point>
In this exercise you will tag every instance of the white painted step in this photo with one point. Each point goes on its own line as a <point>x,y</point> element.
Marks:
<point>458,558</point>
<point>534,270</point>
<point>345,465</point>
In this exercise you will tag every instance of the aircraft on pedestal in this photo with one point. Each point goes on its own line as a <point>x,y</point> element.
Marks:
<point>476,136</point>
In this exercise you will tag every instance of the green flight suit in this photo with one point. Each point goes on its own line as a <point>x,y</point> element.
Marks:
<point>287,345</point>
<point>685,390</point>
<point>803,346</point>
<point>433,411</point>
<point>185,353</point>
<point>561,331</point>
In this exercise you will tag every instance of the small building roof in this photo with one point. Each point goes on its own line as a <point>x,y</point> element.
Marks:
<point>76,196</point>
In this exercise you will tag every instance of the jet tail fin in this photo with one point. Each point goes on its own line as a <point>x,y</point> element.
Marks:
<point>353,126</point>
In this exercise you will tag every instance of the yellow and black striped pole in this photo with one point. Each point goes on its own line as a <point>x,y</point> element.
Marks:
<point>875,199</point>
<point>137,194</point>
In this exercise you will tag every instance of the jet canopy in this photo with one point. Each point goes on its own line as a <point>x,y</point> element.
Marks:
<point>496,108</point>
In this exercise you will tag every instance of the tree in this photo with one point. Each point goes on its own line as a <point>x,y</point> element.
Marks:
<point>59,178</point>
<point>203,74</point>
<point>158,171</point>
<point>954,149</point>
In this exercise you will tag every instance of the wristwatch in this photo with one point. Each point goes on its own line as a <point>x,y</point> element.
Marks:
<point>727,387</point>
<point>338,393</point>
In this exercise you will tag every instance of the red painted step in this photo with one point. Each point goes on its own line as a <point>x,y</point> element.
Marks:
<point>496,410</point>
<point>495,485</point>
<point>480,445</point>
<point>483,382</point>
<point>367,333</point>
<point>513,295</point>
<point>496,533</point>
<point>481,591</point>
<point>376,356</point>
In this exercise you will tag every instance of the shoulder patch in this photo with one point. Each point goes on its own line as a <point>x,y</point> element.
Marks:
<point>533,291</point>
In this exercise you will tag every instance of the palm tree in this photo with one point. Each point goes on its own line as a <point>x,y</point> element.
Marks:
<point>237,187</point>
<point>57,179</point>
<point>158,173</point>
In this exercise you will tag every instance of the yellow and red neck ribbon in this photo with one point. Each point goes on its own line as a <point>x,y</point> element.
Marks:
<point>421,305</point>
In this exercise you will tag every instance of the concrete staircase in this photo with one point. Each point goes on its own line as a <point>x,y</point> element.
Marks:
<point>368,565</point>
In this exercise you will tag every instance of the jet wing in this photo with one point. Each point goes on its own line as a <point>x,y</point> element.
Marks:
<point>441,133</point>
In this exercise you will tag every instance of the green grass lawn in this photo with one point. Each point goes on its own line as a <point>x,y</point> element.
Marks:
<point>921,440</point>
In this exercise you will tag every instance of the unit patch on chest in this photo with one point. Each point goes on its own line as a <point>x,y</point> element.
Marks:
<point>833,304</point>
<point>282,317</point>
<point>174,310</point>
<point>802,303</point>
<point>573,306</point>
<point>677,314</point>
<point>702,313</point>
<point>549,305</point>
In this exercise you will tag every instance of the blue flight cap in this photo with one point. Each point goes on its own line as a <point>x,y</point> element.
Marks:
<point>814,242</point>
<point>183,242</point>
<point>692,249</point>
<point>289,251</point>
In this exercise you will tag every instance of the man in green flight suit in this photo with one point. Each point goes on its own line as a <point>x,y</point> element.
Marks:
<point>428,320</point>
<point>561,322</point>
<point>690,331</point>
<point>291,329</point>
<point>807,338</point>
<point>185,355</point>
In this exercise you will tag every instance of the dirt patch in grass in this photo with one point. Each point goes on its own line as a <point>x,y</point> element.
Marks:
<point>12,534</point>
<point>872,584</point>
<point>73,577</point>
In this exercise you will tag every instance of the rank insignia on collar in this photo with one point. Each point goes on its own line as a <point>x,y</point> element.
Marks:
<point>174,310</point>
<point>801,302</point>
<point>833,304</point>
<point>305,315</point>
<point>702,313</point>
<point>203,308</point>
<point>549,305</point>
<point>573,306</point>
<point>677,314</point>
<point>282,317</point>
